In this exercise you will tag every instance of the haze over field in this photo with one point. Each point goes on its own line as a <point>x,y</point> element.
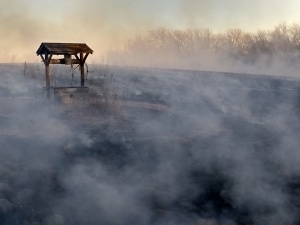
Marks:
<point>106,25</point>
<point>151,146</point>
<point>170,147</point>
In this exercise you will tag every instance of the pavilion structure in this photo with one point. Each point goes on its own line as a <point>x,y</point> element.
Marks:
<point>80,51</point>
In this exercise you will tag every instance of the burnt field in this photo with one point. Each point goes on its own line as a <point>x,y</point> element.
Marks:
<point>149,146</point>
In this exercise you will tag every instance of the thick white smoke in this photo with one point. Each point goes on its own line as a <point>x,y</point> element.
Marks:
<point>182,147</point>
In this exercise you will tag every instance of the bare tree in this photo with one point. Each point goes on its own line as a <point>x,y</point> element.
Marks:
<point>262,42</point>
<point>280,38</point>
<point>203,39</point>
<point>294,31</point>
<point>159,38</point>
<point>191,45</point>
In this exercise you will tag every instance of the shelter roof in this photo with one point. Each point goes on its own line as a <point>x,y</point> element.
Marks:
<point>63,48</point>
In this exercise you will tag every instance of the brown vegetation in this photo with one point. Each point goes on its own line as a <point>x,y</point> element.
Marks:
<point>196,48</point>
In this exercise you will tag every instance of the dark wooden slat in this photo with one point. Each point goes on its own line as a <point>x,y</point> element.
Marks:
<point>82,69</point>
<point>62,61</point>
<point>85,57</point>
<point>43,58</point>
<point>77,57</point>
<point>63,48</point>
<point>49,59</point>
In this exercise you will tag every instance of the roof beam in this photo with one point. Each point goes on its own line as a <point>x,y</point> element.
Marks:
<point>77,57</point>
<point>43,58</point>
<point>47,59</point>
<point>63,48</point>
<point>85,57</point>
<point>62,61</point>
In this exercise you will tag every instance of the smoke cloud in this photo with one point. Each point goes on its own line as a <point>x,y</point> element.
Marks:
<point>183,147</point>
<point>106,25</point>
<point>147,145</point>
<point>262,52</point>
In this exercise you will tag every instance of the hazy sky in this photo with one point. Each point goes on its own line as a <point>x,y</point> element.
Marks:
<point>106,24</point>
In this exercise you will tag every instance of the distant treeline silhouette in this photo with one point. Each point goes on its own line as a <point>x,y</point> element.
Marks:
<point>196,45</point>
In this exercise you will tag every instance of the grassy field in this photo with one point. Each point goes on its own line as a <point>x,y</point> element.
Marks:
<point>149,146</point>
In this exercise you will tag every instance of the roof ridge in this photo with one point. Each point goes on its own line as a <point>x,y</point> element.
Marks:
<point>59,48</point>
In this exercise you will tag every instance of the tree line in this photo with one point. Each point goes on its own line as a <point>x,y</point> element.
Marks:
<point>194,45</point>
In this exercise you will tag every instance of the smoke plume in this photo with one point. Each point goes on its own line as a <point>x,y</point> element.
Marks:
<point>182,147</point>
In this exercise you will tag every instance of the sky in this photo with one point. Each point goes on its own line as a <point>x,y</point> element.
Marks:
<point>105,25</point>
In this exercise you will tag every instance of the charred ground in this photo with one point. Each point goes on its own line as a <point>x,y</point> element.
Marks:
<point>151,146</point>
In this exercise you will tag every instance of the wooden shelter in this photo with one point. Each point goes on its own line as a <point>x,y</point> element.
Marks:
<point>80,50</point>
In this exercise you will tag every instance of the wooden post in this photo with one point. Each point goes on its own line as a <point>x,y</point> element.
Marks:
<point>82,69</point>
<point>47,76</point>
<point>47,70</point>
<point>47,67</point>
